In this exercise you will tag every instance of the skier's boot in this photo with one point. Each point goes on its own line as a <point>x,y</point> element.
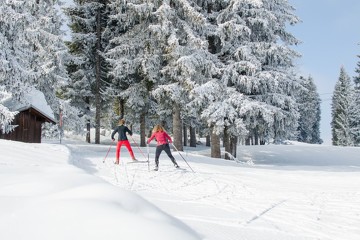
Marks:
<point>174,162</point>
<point>156,164</point>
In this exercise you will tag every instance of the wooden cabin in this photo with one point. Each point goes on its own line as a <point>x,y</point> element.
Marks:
<point>28,128</point>
<point>29,119</point>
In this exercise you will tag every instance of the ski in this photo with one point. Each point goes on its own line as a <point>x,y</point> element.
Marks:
<point>176,169</point>
<point>182,169</point>
<point>136,162</point>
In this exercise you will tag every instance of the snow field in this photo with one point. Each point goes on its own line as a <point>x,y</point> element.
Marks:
<point>43,196</point>
<point>289,192</point>
<point>225,200</point>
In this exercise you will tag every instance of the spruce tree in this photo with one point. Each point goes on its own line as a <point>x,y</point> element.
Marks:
<point>309,109</point>
<point>32,48</point>
<point>180,29</point>
<point>159,50</point>
<point>50,51</point>
<point>355,109</point>
<point>260,67</point>
<point>16,55</point>
<point>6,116</point>
<point>340,110</point>
<point>87,67</point>
<point>256,82</point>
<point>357,71</point>
<point>134,58</point>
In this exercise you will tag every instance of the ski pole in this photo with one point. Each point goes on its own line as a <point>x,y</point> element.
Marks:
<point>138,147</point>
<point>148,153</point>
<point>142,152</point>
<point>182,157</point>
<point>107,152</point>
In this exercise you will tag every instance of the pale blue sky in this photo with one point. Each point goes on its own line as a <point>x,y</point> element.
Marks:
<point>330,35</point>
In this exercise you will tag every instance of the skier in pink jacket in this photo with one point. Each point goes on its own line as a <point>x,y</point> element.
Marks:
<point>163,140</point>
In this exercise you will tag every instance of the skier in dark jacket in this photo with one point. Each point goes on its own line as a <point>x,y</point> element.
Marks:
<point>122,139</point>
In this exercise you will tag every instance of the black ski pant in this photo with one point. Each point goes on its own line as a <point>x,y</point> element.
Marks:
<point>166,148</point>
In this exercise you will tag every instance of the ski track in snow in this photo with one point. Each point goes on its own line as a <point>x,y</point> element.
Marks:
<point>226,203</point>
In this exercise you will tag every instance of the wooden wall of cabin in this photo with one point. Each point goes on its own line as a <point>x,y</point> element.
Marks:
<point>28,129</point>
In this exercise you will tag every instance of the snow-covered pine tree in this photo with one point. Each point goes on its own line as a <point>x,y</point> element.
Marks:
<point>309,108</point>
<point>16,53</point>
<point>340,110</point>
<point>87,67</point>
<point>357,71</point>
<point>134,57</point>
<point>219,105</point>
<point>31,48</point>
<point>355,109</point>
<point>159,50</point>
<point>6,116</point>
<point>45,37</point>
<point>259,62</point>
<point>12,68</point>
<point>251,40</point>
<point>355,117</point>
<point>180,29</point>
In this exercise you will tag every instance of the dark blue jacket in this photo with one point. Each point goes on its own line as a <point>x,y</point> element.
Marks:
<point>121,130</point>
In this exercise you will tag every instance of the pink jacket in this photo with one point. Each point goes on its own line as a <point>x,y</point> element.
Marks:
<point>161,138</point>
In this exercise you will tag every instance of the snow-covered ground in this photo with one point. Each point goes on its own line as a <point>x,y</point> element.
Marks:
<point>297,191</point>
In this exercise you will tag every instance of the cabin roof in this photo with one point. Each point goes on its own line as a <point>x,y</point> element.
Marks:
<point>32,100</point>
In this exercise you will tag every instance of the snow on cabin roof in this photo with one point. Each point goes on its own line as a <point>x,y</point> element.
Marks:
<point>33,99</point>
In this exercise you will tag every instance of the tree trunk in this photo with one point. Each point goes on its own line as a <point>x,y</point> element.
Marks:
<point>192,137</point>
<point>215,145</point>
<point>177,128</point>
<point>121,108</point>
<point>98,77</point>
<point>164,125</point>
<point>88,126</point>
<point>208,140</point>
<point>226,141</point>
<point>118,110</point>
<point>97,118</point>
<point>142,130</point>
<point>256,136</point>
<point>185,134</point>
<point>247,141</point>
<point>233,145</point>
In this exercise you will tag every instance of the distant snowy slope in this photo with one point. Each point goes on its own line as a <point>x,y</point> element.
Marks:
<point>302,154</point>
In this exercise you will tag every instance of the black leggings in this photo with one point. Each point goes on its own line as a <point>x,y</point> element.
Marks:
<point>166,148</point>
